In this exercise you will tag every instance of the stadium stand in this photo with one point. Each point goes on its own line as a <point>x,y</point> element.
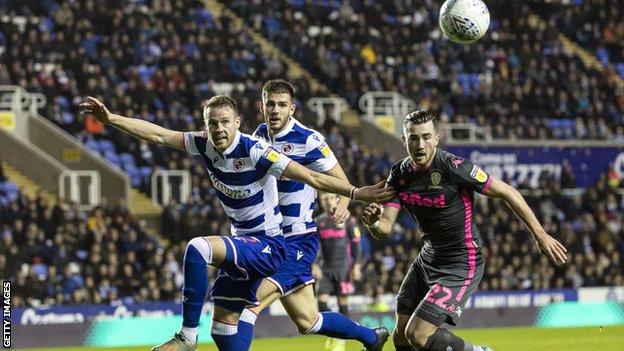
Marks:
<point>154,62</point>
<point>70,256</point>
<point>517,83</point>
<point>602,31</point>
<point>57,254</point>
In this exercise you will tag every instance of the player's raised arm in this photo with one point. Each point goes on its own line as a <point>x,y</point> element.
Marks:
<point>133,126</point>
<point>379,219</point>
<point>372,193</point>
<point>548,245</point>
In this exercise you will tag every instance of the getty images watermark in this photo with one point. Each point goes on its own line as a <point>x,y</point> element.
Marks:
<point>6,314</point>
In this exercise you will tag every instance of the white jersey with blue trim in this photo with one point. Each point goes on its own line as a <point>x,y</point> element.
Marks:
<point>306,146</point>
<point>245,178</point>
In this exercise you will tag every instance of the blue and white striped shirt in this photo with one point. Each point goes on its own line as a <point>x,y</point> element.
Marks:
<point>244,176</point>
<point>307,147</point>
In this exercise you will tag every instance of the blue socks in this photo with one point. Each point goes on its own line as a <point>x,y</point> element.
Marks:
<point>331,324</point>
<point>337,325</point>
<point>246,327</point>
<point>226,337</point>
<point>197,256</point>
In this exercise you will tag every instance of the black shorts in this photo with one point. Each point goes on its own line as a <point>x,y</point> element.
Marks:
<point>335,281</point>
<point>438,293</point>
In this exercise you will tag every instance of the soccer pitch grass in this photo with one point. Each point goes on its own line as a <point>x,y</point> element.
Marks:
<point>501,339</point>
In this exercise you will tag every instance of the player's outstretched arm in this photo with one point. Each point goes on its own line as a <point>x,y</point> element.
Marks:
<point>341,212</point>
<point>379,220</point>
<point>133,126</point>
<point>372,193</point>
<point>548,245</point>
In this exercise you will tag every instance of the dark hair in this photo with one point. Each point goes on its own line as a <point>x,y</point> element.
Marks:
<point>220,101</point>
<point>420,117</point>
<point>279,86</point>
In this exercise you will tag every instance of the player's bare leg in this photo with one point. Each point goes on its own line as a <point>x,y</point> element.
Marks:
<point>267,294</point>
<point>302,309</point>
<point>200,253</point>
<point>225,329</point>
<point>399,338</point>
<point>426,336</point>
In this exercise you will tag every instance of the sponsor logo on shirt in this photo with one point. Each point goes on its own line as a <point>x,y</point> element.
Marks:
<point>419,200</point>
<point>230,192</point>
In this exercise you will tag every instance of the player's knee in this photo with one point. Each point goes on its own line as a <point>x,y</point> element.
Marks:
<point>249,315</point>
<point>198,250</point>
<point>441,340</point>
<point>221,328</point>
<point>399,337</point>
<point>309,324</point>
<point>417,337</point>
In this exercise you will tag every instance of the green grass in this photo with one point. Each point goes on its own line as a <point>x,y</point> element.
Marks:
<point>501,339</point>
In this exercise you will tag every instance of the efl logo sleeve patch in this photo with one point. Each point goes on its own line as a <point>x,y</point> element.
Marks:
<point>325,150</point>
<point>272,155</point>
<point>478,174</point>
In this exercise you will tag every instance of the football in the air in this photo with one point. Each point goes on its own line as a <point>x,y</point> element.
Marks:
<point>464,21</point>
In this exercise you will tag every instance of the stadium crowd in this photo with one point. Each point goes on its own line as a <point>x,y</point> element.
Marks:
<point>602,31</point>
<point>57,254</point>
<point>517,82</point>
<point>154,60</point>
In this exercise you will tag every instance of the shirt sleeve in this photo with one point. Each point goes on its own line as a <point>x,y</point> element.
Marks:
<point>267,159</point>
<point>466,173</point>
<point>319,154</point>
<point>392,181</point>
<point>195,142</point>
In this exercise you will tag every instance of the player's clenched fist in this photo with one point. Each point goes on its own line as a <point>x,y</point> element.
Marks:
<point>372,213</point>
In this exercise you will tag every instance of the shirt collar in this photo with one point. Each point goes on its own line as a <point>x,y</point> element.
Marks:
<point>232,146</point>
<point>287,129</point>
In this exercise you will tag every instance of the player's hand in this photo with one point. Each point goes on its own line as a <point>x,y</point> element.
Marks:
<point>92,106</point>
<point>356,272</point>
<point>374,193</point>
<point>372,213</point>
<point>552,248</point>
<point>317,273</point>
<point>340,213</point>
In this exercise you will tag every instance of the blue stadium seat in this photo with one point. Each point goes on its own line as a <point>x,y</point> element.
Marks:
<point>620,69</point>
<point>93,145</point>
<point>112,157</point>
<point>68,117</point>
<point>603,55</point>
<point>145,172</point>
<point>126,158</point>
<point>106,145</point>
